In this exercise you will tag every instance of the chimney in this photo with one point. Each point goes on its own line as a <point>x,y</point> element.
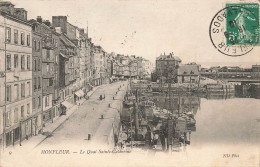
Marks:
<point>39,19</point>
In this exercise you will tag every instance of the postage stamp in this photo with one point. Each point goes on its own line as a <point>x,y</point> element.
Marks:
<point>242,24</point>
<point>234,30</point>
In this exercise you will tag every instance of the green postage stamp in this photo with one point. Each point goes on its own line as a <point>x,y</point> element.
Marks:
<point>242,24</point>
<point>234,30</point>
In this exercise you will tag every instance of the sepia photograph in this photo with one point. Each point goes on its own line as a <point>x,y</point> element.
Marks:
<point>138,83</point>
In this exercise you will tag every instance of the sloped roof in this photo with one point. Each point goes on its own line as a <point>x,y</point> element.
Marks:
<point>66,40</point>
<point>168,57</point>
<point>188,69</point>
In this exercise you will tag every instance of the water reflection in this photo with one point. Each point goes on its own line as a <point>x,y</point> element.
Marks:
<point>223,118</point>
<point>248,91</point>
<point>163,121</point>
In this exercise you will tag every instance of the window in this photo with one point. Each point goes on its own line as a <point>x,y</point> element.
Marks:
<point>47,67</point>
<point>22,62</point>
<point>28,108</point>
<point>15,61</point>
<point>34,45</point>
<point>22,90</point>
<point>8,115</point>
<point>39,45</point>
<point>33,103</point>
<point>35,84</point>
<point>48,54</point>
<point>16,90</point>
<point>9,63</point>
<point>57,59</point>
<point>22,112</point>
<point>29,88</point>
<point>50,82</point>
<point>8,35</point>
<point>35,64</point>
<point>16,115</point>
<point>16,36</point>
<point>28,62</point>
<point>8,93</point>
<point>28,40</point>
<point>46,101</point>
<point>22,38</point>
<point>39,65</point>
<point>39,83</point>
<point>39,101</point>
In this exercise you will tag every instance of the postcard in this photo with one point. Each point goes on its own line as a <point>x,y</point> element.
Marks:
<point>129,83</point>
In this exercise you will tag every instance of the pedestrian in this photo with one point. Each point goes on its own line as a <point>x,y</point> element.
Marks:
<point>104,96</point>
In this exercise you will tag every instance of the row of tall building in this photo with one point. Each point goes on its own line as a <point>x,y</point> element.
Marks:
<point>47,67</point>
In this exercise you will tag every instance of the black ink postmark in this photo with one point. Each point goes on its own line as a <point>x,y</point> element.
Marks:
<point>234,30</point>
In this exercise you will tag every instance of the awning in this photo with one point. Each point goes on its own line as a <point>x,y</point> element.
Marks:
<point>67,104</point>
<point>79,93</point>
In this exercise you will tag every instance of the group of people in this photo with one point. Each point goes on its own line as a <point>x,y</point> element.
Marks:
<point>101,97</point>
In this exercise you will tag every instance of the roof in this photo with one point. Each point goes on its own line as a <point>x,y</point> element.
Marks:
<point>168,57</point>
<point>5,3</point>
<point>255,65</point>
<point>11,17</point>
<point>188,69</point>
<point>66,40</point>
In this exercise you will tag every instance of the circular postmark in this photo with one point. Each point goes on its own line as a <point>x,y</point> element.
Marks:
<point>234,30</point>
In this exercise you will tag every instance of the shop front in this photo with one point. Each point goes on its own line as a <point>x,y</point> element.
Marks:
<point>79,97</point>
<point>26,129</point>
<point>65,106</point>
<point>47,116</point>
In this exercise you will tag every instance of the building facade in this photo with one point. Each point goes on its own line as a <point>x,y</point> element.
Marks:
<point>189,73</point>
<point>166,66</point>
<point>15,76</point>
<point>73,35</point>
<point>36,82</point>
<point>49,68</point>
<point>99,68</point>
<point>66,72</point>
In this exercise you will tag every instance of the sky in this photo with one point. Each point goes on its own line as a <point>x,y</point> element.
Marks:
<point>145,28</point>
